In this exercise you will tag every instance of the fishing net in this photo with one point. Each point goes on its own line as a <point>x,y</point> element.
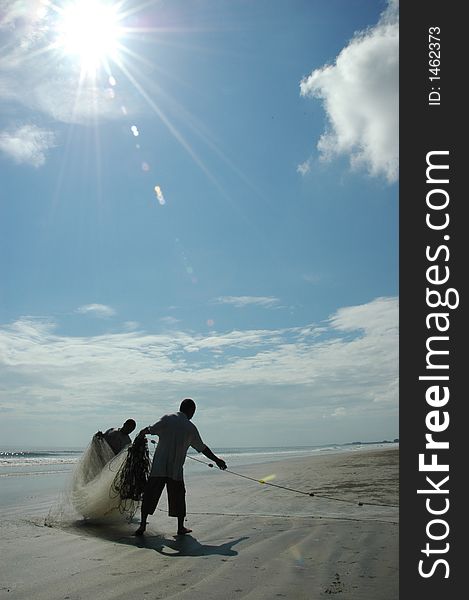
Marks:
<point>132,476</point>
<point>104,485</point>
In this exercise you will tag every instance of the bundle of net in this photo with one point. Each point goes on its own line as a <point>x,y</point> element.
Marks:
<point>104,486</point>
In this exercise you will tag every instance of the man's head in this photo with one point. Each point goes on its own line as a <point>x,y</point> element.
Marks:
<point>188,407</point>
<point>128,426</point>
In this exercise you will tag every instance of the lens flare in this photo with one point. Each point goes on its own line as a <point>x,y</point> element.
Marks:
<point>159,195</point>
<point>267,479</point>
<point>297,557</point>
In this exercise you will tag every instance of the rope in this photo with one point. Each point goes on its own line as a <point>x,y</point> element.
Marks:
<point>284,516</point>
<point>289,489</point>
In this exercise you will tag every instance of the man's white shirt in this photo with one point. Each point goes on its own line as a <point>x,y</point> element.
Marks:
<point>175,434</point>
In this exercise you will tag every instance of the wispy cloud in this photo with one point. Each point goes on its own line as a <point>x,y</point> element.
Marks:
<point>242,301</point>
<point>313,278</point>
<point>349,363</point>
<point>169,321</point>
<point>339,412</point>
<point>360,96</point>
<point>21,16</point>
<point>304,167</point>
<point>27,144</point>
<point>96,310</point>
<point>380,315</point>
<point>131,325</point>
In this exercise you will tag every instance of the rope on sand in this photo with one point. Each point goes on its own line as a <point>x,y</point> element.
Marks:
<point>285,516</point>
<point>289,489</point>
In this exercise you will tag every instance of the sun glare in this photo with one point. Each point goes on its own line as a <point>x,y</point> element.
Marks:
<point>89,30</point>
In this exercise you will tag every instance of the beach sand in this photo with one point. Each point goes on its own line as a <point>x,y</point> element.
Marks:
<point>249,541</point>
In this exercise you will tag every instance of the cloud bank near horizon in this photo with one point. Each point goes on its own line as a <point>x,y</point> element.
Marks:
<point>345,366</point>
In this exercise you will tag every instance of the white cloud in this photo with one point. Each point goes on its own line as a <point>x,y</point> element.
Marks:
<point>323,368</point>
<point>304,167</point>
<point>21,16</point>
<point>131,325</point>
<point>170,321</point>
<point>380,315</point>
<point>242,301</point>
<point>360,96</point>
<point>27,144</point>
<point>97,310</point>
<point>339,412</point>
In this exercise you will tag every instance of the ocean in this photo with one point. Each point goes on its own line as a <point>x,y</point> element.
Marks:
<point>35,462</point>
<point>29,474</point>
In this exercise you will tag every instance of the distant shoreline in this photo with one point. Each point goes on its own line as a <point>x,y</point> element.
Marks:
<point>395,441</point>
<point>7,448</point>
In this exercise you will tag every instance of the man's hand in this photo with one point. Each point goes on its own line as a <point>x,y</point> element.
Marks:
<point>221,464</point>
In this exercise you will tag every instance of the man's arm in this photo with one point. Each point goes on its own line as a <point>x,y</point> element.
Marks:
<point>154,429</point>
<point>221,464</point>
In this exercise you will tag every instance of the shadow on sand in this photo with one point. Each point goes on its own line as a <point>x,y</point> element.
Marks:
<point>186,545</point>
<point>177,545</point>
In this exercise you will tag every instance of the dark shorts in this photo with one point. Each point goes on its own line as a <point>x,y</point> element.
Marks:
<point>176,496</point>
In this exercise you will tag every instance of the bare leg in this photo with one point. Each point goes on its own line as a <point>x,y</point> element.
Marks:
<point>143,524</point>
<point>181,529</point>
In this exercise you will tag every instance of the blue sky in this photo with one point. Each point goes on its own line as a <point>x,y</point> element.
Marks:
<point>207,207</point>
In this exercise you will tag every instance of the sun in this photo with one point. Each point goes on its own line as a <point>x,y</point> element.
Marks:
<point>89,30</point>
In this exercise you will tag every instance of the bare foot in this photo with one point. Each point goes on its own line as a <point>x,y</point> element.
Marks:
<point>183,531</point>
<point>140,530</point>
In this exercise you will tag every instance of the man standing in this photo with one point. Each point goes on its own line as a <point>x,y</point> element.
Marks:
<point>176,433</point>
<point>118,438</point>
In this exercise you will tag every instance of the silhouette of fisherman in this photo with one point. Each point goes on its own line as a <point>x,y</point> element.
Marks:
<point>175,434</point>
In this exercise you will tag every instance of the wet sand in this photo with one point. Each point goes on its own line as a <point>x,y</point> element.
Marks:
<point>249,540</point>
